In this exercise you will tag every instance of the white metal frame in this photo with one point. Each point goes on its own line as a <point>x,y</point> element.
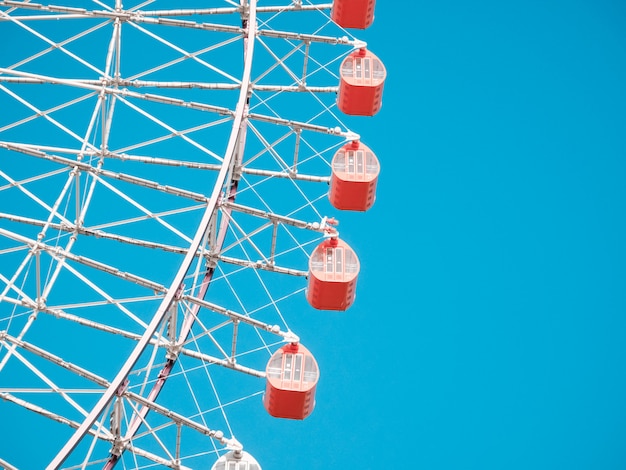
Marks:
<point>85,169</point>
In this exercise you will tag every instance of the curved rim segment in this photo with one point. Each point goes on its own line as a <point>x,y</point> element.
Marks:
<point>209,213</point>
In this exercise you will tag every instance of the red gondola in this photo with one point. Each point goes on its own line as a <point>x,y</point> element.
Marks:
<point>362,77</point>
<point>292,376</point>
<point>355,171</point>
<point>333,271</point>
<point>357,14</point>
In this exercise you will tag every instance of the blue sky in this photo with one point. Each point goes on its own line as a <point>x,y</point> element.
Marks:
<point>491,332</point>
<point>489,329</point>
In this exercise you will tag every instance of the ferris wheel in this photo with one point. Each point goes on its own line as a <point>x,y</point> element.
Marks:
<point>169,179</point>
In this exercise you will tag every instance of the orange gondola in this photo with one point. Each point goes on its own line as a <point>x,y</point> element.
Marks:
<point>333,272</point>
<point>355,170</point>
<point>291,380</point>
<point>362,77</point>
<point>358,14</point>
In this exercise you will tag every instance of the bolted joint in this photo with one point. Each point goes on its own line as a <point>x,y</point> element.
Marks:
<point>172,352</point>
<point>237,172</point>
<point>118,447</point>
<point>211,261</point>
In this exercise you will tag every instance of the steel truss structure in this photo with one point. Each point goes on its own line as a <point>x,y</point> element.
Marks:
<point>147,153</point>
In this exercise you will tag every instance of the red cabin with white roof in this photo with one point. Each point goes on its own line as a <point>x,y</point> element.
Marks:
<point>333,271</point>
<point>355,171</point>
<point>362,77</point>
<point>291,379</point>
<point>358,14</point>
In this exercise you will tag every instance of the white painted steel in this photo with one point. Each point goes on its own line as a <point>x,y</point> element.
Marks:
<point>87,169</point>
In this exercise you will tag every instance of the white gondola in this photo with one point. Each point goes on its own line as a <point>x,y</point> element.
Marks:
<point>236,460</point>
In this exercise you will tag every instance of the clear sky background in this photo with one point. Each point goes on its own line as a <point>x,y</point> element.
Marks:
<point>489,329</point>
